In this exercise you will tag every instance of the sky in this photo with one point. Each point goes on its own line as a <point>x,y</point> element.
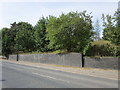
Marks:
<point>31,11</point>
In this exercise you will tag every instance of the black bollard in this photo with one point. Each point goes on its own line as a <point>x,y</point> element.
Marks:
<point>83,60</point>
<point>17,56</point>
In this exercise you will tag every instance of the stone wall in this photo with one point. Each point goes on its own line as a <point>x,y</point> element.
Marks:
<point>70,59</point>
<point>102,62</point>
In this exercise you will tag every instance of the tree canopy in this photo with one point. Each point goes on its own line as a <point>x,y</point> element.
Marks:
<point>7,42</point>
<point>111,25</point>
<point>71,31</point>
<point>40,35</point>
<point>24,40</point>
<point>19,37</point>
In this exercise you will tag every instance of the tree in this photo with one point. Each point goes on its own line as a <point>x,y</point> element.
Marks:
<point>112,28</point>
<point>7,42</point>
<point>24,37</point>
<point>116,32</point>
<point>18,38</point>
<point>8,39</point>
<point>40,35</point>
<point>71,31</point>
<point>97,30</point>
<point>108,24</point>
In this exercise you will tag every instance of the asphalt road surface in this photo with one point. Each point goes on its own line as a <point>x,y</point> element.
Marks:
<point>23,76</point>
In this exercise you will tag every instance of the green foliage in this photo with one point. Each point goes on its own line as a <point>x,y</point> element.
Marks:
<point>108,24</point>
<point>18,38</point>
<point>7,42</point>
<point>103,48</point>
<point>24,37</point>
<point>112,28</point>
<point>71,31</point>
<point>87,49</point>
<point>40,35</point>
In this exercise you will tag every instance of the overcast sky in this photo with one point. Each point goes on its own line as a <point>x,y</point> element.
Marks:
<point>29,11</point>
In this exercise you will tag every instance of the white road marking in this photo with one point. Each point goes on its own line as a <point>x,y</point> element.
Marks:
<point>50,77</point>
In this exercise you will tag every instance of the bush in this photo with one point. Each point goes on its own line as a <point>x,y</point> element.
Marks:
<point>102,48</point>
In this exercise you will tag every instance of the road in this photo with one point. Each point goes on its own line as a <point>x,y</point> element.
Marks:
<point>23,76</point>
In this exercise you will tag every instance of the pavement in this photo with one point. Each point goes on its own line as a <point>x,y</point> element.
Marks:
<point>34,75</point>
